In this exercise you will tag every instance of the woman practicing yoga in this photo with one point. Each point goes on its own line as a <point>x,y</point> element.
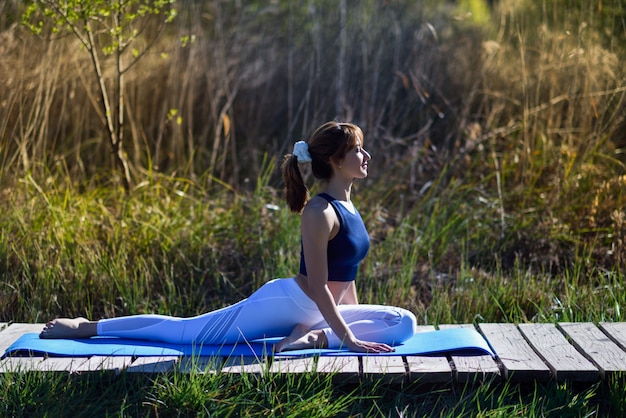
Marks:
<point>317,308</point>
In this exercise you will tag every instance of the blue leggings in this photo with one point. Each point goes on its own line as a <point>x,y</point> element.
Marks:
<point>272,311</point>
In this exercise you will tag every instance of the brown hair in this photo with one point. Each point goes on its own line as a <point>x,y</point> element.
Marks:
<point>329,142</point>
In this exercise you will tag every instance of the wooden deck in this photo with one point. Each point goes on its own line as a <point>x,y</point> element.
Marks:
<point>577,352</point>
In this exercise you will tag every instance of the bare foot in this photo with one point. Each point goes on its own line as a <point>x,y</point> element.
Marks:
<point>302,337</point>
<point>69,328</point>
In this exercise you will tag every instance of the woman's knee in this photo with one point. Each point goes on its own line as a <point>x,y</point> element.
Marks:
<point>407,323</point>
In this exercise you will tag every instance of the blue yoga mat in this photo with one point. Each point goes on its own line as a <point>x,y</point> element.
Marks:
<point>457,341</point>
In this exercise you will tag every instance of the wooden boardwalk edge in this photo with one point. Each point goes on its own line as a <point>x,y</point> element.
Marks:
<point>577,352</point>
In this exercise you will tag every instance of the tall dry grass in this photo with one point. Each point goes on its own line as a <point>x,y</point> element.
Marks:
<point>250,79</point>
<point>255,78</point>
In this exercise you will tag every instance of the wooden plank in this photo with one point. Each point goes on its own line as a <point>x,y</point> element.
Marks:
<point>198,364</point>
<point>20,364</point>
<point>616,331</point>
<point>61,364</point>
<point>342,365</point>
<point>293,365</point>
<point>473,368</point>
<point>14,331</point>
<point>343,369</point>
<point>39,363</point>
<point>428,369</point>
<point>519,361</point>
<point>596,347</point>
<point>387,369</point>
<point>245,364</point>
<point>113,364</point>
<point>563,359</point>
<point>159,364</point>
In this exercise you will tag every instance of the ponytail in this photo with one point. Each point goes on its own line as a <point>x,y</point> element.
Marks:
<point>296,192</point>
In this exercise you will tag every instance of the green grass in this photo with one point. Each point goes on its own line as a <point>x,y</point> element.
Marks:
<point>311,395</point>
<point>175,247</point>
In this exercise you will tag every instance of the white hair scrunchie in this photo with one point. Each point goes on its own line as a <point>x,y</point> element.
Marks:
<point>301,151</point>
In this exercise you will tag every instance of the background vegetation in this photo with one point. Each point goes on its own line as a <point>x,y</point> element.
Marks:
<point>496,192</point>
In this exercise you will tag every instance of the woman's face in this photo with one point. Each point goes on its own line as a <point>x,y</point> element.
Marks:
<point>355,162</point>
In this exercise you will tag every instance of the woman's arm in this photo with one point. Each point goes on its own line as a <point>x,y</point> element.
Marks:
<point>318,222</point>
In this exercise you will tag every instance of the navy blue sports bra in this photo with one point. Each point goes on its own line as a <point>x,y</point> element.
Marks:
<point>347,248</point>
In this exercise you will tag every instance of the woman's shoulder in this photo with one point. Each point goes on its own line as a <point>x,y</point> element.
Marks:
<point>316,205</point>
<point>319,210</point>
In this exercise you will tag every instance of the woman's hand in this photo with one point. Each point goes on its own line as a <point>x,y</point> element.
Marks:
<point>359,346</point>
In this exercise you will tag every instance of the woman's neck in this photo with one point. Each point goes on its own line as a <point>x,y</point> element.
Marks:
<point>339,190</point>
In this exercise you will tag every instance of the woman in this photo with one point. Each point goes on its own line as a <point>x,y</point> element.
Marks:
<point>317,308</point>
